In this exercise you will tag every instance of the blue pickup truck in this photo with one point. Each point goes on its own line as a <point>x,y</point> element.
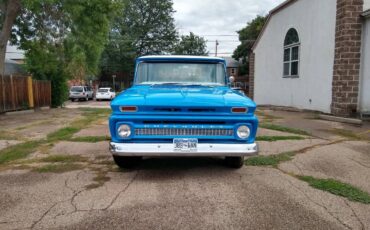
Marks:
<point>182,106</point>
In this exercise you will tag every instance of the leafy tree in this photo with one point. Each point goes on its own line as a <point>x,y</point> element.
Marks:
<point>144,27</point>
<point>9,10</point>
<point>150,26</point>
<point>191,45</point>
<point>247,37</point>
<point>62,38</point>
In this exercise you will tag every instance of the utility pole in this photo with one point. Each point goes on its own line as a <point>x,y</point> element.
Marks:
<point>216,47</point>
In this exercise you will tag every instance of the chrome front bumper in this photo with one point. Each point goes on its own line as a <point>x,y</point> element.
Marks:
<point>167,150</point>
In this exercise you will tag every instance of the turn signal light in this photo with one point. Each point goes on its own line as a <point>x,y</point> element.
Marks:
<point>130,109</point>
<point>239,110</point>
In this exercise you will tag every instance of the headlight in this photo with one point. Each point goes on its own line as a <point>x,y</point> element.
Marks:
<point>124,131</point>
<point>243,132</point>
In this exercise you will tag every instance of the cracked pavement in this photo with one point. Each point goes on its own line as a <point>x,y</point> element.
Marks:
<point>190,193</point>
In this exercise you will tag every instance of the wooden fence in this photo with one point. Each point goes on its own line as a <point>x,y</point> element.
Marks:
<point>20,92</point>
<point>41,93</point>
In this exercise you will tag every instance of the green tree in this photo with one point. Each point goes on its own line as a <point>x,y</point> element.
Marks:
<point>144,27</point>
<point>191,45</point>
<point>9,10</point>
<point>247,37</point>
<point>62,38</point>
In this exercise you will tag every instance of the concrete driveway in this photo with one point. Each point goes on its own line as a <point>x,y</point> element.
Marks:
<point>65,179</point>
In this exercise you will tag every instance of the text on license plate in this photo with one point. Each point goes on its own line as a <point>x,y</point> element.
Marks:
<point>185,144</point>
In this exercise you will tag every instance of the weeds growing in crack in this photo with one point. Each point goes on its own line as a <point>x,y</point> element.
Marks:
<point>90,139</point>
<point>99,180</point>
<point>18,151</point>
<point>338,188</point>
<point>279,138</point>
<point>283,129</point>
<point>24,149</point>
<point>349,134</point>
<point>272,160</point>
<point>59,168</point>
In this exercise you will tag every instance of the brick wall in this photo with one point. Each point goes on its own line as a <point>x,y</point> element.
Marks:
<point>345,90</point>
<point>251,75</point>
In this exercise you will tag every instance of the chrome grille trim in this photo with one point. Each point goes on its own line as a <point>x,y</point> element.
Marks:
<point>182,132</point>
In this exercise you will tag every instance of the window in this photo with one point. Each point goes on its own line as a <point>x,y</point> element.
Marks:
<point>180,73</point>
<point>232,71</point>
<point>291,54</point>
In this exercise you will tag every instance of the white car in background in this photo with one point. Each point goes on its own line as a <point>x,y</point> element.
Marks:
<point>105,94</point>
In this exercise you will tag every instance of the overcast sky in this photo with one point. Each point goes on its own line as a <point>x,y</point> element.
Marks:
<point>219,17</point>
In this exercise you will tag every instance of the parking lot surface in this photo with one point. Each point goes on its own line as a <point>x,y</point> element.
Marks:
<point>56,173</point>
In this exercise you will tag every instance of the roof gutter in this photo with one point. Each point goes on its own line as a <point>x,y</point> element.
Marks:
<point>272,12</point>
<point>366,14</point>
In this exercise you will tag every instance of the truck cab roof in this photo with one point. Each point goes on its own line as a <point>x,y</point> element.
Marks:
<point>180,58</point>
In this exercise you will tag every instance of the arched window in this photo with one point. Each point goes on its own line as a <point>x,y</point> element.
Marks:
<point>291,53</point>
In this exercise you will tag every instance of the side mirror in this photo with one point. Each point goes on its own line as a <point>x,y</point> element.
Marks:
<point>232,79</point>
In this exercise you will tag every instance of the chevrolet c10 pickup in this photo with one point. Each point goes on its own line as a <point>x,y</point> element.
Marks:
<point>182,106</point>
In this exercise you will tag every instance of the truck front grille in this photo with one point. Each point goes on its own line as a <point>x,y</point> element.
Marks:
<point>183,132</point>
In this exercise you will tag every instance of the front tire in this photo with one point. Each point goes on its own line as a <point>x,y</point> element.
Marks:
<point>127,162</point>
<point>234,162</point>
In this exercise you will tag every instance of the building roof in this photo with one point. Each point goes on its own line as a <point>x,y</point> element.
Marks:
<point>13,68</point>
<point>272,13</point>
<point>366,14</point>
<point>231,62</point>
<point>13,53</point>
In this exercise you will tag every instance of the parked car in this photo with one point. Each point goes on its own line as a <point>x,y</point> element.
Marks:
<point>81,92</point>
<point>182,106</point>
<point>105,94</point>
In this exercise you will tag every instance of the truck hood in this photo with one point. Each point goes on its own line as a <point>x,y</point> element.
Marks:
<point>182,96</point>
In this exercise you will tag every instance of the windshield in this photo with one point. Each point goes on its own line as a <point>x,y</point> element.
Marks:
<point>181,73</point>
<point>77,89</point>
<point>103,90</point>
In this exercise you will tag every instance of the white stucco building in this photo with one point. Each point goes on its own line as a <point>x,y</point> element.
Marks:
<point>315,55</point>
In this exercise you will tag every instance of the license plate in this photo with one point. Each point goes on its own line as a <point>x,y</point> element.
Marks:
<point>185,144</point>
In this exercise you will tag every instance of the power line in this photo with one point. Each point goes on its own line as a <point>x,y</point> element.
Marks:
<point>220,35</point>
<point>219,53</point>
<point>159,41</point>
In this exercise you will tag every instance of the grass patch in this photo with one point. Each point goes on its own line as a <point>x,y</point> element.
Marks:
<point>22,150</point>
<point>45,148</point>
<point>273,160</point>
<point>266,117</point>
<point>348,134</point>
<point>33,125</point>
<point>63,159</point>
<point>90,116</point>
<point>338,188</point>
<point>91,139</point>
<point>99,180</point>
<point>278,138</point>
<point>59,168</point>
<point>18,151</point>
<point>8,136</point>
<point>283,129</point>
<point>62,134</point>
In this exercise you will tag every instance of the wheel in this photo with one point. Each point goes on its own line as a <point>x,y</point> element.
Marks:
<point>97,99</point>
<point>127,162</point>
<point>87,98</point>
<point>234,162</point>
<point>72,100</point>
